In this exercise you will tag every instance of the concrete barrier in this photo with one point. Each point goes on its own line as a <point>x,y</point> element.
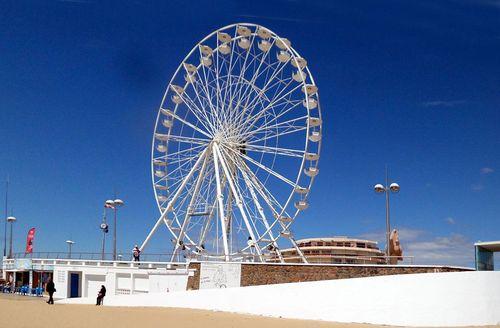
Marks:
<point>426,299</point>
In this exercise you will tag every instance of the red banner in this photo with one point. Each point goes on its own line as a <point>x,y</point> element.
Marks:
<point>29,241</point>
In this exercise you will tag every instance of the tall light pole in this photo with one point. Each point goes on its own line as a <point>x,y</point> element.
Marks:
<point>70,243</point>
<point>104,228</point>
<point>11,220</point>
<point>387,189</point>
<point>5,217</point>
<point>114,204</point>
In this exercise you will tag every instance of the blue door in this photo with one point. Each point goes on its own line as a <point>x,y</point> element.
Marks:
<point>75,285</point>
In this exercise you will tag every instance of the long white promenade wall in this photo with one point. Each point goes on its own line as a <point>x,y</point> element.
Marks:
<point>426,299</point>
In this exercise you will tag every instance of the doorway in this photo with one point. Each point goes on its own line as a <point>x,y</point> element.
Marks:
<point>74,284</point>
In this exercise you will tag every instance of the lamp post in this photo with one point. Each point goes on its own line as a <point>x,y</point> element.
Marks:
<point>70,243</point>
<point>104,228</point>
<point>387,189</point>
<point>114,204</point>
<point>6,211</point>
<point>11,220</point>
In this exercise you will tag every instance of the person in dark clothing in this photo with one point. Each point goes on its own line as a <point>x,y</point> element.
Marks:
<point>51,288</point>
<point>101,295</point>
<point>136,252</point>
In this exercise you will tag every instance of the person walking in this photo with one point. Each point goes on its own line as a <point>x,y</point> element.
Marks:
<point>100,295</point>
<point>51,288</point>
<point>136,252</point>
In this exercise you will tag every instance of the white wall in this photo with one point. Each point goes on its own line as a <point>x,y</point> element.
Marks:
<point>427,299</point>
<point>92,284</point>
<point>124,280</point>
<point>161,283</point>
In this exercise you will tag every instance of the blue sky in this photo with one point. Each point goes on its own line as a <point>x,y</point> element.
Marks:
<point>412,85</point>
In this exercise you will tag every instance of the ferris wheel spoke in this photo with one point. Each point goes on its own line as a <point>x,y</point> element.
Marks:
<point>265,194</point>
<point>190,140</point>
<point>198,113</point>
<point>256,117</point>
<point>205,101</point>
<point>249,107</point>
<point>268,84</point>
<point>194,127</point>
<point>243,70</point>
<point>205,119</point>
<point>183,151</point>
<point>268,127</point>
<point>237,197</point>
<point>286,131</point>
<point>179,167</point>
<point>265,168</point>
<point>251,103</point>
<point>206,88</point>
<point>262,61</point>
<point>229,69</point>
<point>281,105</point>
<point>274,150</point>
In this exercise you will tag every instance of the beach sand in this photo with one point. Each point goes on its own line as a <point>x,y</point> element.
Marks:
<point>31,312</point>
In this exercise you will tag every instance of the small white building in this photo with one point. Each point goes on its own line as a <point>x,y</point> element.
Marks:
<point>83,278</point>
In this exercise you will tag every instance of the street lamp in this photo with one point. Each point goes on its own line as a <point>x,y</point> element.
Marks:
<point>114,204</point>
<point>11,220</point>
<point>387,189</point>
<point>70,243</point>
<point>104,227</point>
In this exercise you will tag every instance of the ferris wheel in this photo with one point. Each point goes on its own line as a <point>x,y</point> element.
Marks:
<point>236,146</point>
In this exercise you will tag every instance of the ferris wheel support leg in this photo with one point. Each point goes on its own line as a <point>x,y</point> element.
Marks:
<point>238,201</point>
<point>207,224</point>
<point>191,204</point>
<point>299,251</point>
<point>220,199</point>
<point>262,215</point>
<point>269,203</point>
<point>174,199</point>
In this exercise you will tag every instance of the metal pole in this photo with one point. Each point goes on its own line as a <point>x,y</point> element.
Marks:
<point>5,218</point>
<point>10,248</point>
<point>69,254</point>
<point>114,235</point>
<point>103,235</point>
<point>103,244</point>
<point>387,212</point>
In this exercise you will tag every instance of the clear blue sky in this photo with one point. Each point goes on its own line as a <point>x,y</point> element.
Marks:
<point>413,85</point>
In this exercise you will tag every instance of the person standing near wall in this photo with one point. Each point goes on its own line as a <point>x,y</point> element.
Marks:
<point>51,288</point>
<point>101,295</point>
<point>136,252</point>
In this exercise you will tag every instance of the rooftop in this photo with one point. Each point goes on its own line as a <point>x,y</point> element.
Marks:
<point>493,246</point>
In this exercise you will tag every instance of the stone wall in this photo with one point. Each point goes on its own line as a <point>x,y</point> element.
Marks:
<point>265,274</point>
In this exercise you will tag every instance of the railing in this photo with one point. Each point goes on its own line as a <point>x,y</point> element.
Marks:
<point>350,259</point>
<point>47,264</point>
<point>151,257</point>
<point>89,256</point>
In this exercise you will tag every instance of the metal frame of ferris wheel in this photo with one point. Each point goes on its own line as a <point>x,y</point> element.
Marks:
<point>214,160</point>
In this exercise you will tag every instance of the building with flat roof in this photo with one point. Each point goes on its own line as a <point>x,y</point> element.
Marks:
<point>484,255</point>
<point>336,250</point>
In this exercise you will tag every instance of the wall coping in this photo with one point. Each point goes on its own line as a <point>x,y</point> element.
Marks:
<point>346,265</point>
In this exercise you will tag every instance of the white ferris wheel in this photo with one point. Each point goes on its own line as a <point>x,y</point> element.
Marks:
<point>236,146</point>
